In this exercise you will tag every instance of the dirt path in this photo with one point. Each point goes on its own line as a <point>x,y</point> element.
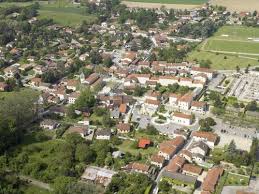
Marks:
<point>131,4</point>
<point>35,182</point>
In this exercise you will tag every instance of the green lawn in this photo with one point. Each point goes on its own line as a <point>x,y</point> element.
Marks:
<point>188,2</point>
<point>236,180</point>
<point>29,189</point>
<point>235,45</point>
<point>126,146</point>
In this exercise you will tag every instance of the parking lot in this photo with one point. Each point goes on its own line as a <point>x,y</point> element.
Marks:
<point>242,136</point>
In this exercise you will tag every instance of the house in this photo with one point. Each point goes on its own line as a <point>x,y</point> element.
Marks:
<point>137,167</point>
<point>168,148</point>
<point>123,128</point>
<point>199,107</point>
<point>181,179</point>
<point>208,137</point>
<point>39,69</point>
<point>79,129</point>
<point>198,70</point>
<point>91,79</point>
<point>72,84</point>
<point>142,78</point>
<point>173,99</point>
<point>157,160</point>
<point>85,121</point>
<point>186,154</point>
<point>182,119</point>
<point>49,124</point>
<point>59,110</point>
<point>103,134</point>
<point>150,106</point>
<point>11,71</point>
<point>192,170</point>
<point>123,109</point>
<point>175,164</point>
<point>144,143</point>
<point>98,175</point>
<point>152,95</point>
<point>210,182</point>
<point>128,58</point>
<point>183,132</point>
<point>36,82</point>
<point>3,86</point>
<point>168,80</point>
<point>199,148</point>
<point>185,101</point>
<point>72,97</point>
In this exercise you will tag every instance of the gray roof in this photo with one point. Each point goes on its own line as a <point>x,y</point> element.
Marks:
<point>49,122</point>
<point>201,145</point>
<point>103,132</point>
<point>180,177</point>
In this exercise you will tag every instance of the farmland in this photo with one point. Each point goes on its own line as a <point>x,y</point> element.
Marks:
<point>238,5</point>
<point>68,15</point>
<point>186,2</point>
<point>229,47</point>
<point>61,12</point>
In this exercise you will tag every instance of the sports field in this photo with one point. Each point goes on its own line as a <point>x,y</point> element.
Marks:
<point>230,46</point>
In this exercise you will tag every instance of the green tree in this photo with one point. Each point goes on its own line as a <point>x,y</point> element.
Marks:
<point>85,100</point>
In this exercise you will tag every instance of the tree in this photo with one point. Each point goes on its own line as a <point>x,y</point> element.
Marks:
<point>251,106</point>
<point>85,100</point>
<point>17,111</point>
<point>96,58</point>
<point>62,183</point>
<point>237,69</point>
<point>164,186</point>
<point>108,62</point>
<point>84,153</point>
<point>231,147</point>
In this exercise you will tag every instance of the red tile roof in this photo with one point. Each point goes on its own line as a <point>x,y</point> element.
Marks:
<point>143,143</point>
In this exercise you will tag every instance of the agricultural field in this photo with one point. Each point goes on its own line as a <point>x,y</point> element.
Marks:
<point>229,47</point>
<point>62,12</point>
<point>238,5</point>
<point>187,2</point>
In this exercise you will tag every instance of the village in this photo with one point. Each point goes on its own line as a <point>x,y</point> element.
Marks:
<point>117,83</point>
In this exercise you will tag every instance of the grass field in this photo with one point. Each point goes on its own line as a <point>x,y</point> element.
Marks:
<point>188,2</point>
<point>68,15</point>
<point>236,180</point>
<point>230,46</point>
<point>62,12</point>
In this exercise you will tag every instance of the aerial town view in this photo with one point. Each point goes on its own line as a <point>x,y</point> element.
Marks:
<point>129,97</point>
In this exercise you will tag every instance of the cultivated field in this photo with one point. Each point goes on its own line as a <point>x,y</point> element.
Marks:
<point>184,2</point>
<point>238,5</point>
<point>229,47</point>
<point>174,4</point>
